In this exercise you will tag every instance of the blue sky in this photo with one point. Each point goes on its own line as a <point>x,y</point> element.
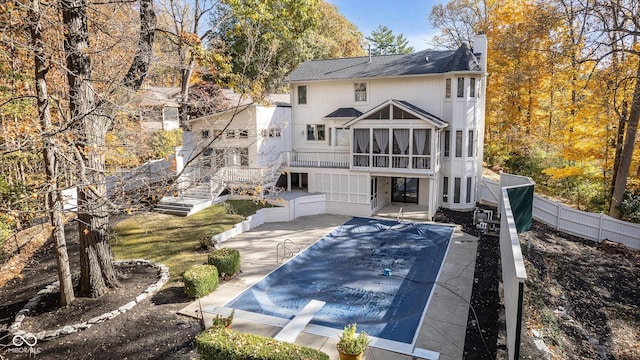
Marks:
<point>409,17</point>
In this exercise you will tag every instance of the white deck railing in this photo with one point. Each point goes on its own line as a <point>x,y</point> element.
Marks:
<point>249,176</point>
<point>317,159</point>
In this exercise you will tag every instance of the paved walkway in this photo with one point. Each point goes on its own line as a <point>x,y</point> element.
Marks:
<point>443,328</point>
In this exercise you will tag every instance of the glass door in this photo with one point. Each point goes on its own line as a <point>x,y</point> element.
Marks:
<point>404,190</point>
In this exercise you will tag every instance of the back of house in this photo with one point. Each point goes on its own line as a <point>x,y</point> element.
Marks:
<point>373,130</point>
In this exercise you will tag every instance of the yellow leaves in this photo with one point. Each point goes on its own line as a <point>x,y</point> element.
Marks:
<point>561,173</point>
<point>85,231</point>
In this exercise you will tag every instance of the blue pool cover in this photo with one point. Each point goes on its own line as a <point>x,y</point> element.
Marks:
<point>348,270</point>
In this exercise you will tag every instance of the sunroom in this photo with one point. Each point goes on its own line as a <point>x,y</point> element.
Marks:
<point>396,136</point>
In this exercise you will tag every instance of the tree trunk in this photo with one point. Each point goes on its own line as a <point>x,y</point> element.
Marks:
<point>49,151</point>
<point>184,92</point>
<point>619,144</point>
<point>626,155</point>
<point>97,273</point>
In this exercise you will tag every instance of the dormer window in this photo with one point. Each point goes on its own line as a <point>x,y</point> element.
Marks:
<point>360,92</point>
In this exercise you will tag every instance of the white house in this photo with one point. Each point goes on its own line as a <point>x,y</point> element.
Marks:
<point>364,131</point>
<point>240,147</point>
<point>392,128</point>
<point>157,108</point>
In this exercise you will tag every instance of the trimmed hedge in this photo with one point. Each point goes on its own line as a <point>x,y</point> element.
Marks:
<point>200,280</point>
<point>227,260</point>
<point>219,343</point>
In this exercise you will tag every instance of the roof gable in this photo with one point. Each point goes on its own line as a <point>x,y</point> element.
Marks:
<point>406,111</point>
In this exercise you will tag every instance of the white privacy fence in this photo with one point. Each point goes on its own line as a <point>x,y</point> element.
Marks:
<point>143,177</point>
<point>591,226</point>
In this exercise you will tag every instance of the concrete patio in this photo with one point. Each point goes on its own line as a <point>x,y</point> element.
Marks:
<point>443,327</point>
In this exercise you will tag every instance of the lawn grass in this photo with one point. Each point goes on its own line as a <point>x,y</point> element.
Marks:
<point>173,240</point>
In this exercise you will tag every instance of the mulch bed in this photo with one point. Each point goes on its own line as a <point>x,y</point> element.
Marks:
<point>49,315</point>
<point>483,324</point>
<point>151,330</point>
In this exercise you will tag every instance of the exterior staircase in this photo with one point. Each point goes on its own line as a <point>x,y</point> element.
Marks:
<point>203,194</point>
<point>191,201</point>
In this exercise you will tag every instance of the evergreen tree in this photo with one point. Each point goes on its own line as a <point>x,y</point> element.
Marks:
<point>385,42</point>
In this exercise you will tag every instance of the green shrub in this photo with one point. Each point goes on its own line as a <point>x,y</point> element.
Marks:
<point>224,344</point>
<point>351,344</point>
<point>227,260</point>
<point>200,280</point>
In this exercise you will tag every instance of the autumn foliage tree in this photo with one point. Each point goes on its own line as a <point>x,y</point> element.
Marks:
<point>561,93</point>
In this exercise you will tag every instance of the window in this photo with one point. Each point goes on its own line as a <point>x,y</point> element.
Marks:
<point>470,146</point>
<point>361,141</point>
<point>445,189</point>
<point>468,190</point>
<point>401,141</point>
<point>217,133</point>
<point>244,134</point>
<point>206,153</point>
<point>219,157</point>
<point>456,190</point>
<point>342,137</point>
<point>244,157</point>
<point>170,114</point>
<point>274,132</point>
<point>264,132</point>
<point>458,143</point>
<point>204,134</point>
<point>472,87</point>
<point>422,142</point>
<point>380,141</point>
<point>315,132</point>
<point>447,92</point>
<point>447,143</point>
<point>460,87</point>
<point>302,95</point>
<point>361,91</point>
<point>230,134</point>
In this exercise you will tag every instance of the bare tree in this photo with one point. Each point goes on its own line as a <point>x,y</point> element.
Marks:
<point>49,153</point>
<point>187,35</point>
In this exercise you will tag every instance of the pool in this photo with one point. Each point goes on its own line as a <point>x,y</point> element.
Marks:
<point>376,273</point>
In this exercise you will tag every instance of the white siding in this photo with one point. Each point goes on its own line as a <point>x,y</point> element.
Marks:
<point>325,97</point>
<point>269,148</point>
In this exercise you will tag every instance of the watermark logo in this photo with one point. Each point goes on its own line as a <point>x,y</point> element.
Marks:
<point>23,344</point>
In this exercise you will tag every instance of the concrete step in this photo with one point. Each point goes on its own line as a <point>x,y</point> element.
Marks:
<point>172,212</point>
<point>182,206</point>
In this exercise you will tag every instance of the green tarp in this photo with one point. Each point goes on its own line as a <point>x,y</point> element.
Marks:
<point>521,200</point>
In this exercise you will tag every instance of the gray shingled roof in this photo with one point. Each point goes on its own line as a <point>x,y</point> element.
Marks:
<point>345,113</point>
<point>422,62</point>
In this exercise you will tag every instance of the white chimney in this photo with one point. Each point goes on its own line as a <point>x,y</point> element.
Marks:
<point>480,46</point>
